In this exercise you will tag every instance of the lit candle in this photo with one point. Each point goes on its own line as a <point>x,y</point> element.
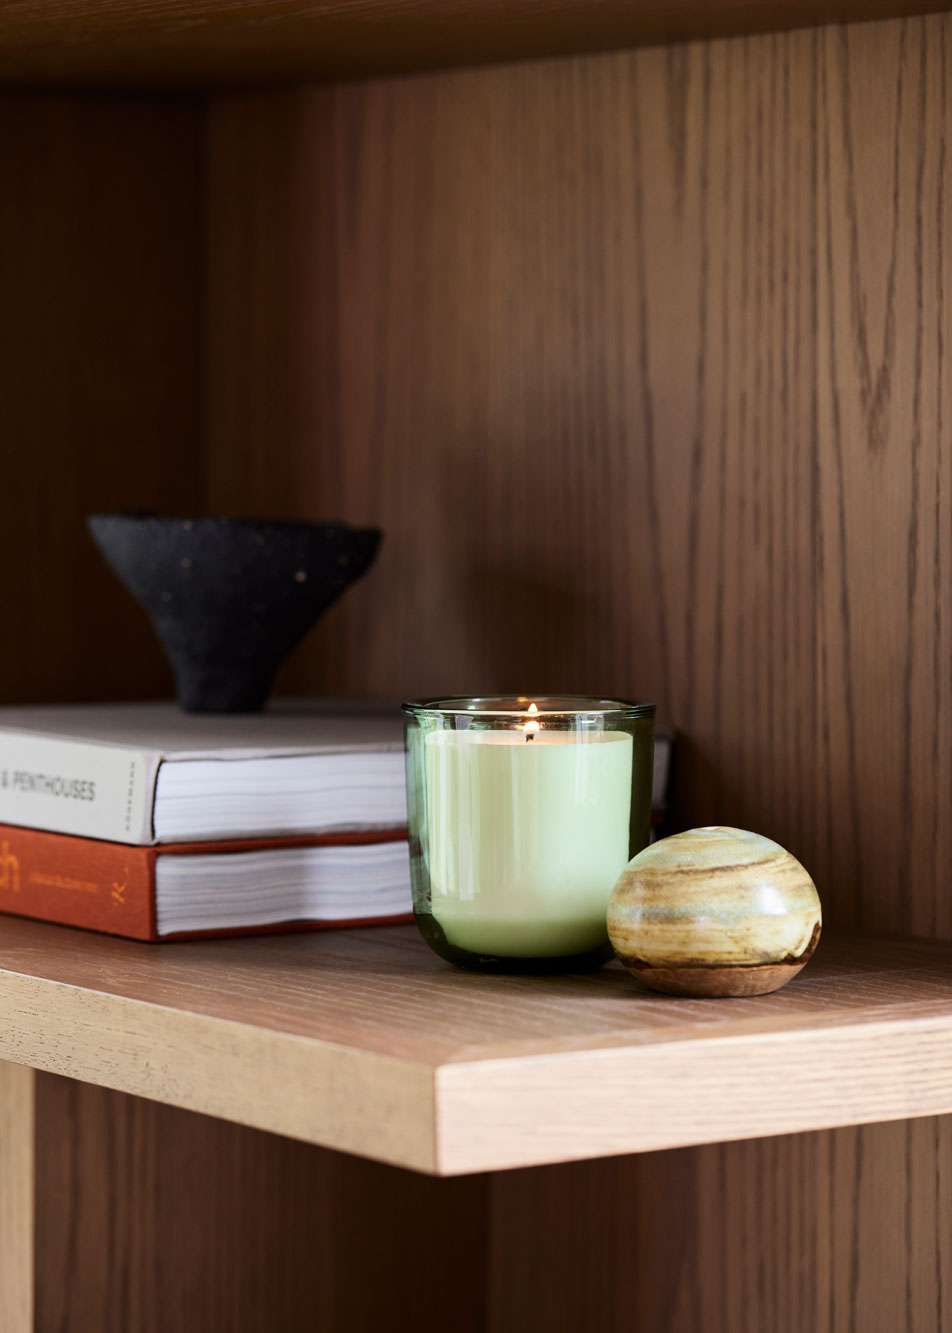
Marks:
<point>526,832</point>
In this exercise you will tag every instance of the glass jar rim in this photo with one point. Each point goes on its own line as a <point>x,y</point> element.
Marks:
<point>569,705</point>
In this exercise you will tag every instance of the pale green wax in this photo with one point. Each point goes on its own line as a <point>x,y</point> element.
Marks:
<point>526,838</point>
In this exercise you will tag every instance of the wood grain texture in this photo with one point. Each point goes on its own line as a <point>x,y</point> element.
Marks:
<point>640,361</point>
<point>131,43</point>
<point>822,1232</point>
<point>100,246</point>
<point>16,1197</point>
<point>335,1094</point>
<point>365,1041</point>
<point>178,1221</point>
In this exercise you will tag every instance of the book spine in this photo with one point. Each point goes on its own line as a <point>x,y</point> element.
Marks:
<point>75,882</point>
<point>93,791</point>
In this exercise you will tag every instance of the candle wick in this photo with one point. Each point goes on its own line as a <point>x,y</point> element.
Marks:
<point>530,736</point>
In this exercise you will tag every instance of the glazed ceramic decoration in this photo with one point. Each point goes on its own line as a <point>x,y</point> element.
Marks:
<point>714,911</point>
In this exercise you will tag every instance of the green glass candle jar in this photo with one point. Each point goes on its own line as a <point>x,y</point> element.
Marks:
<point>523,813</point>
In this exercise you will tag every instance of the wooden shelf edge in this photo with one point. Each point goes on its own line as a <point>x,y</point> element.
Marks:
<point>129,45</point>
<point>496,1115</point>
<point>364,1042</point>
<point>359,1102</point>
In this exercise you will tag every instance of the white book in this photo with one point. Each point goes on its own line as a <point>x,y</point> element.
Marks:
<point>249,890</point>
<point>149,773</point>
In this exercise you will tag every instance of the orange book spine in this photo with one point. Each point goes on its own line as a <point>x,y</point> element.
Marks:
<point>110,886</point>
<point>78,881</point>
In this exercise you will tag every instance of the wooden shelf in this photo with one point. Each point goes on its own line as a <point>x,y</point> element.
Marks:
<point>364,1041</point>
<point>132,43</point>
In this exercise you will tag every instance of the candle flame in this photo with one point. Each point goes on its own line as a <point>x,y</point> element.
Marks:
<point>532,726</point>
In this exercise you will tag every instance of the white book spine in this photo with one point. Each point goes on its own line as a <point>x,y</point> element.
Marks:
<point>93,791</point>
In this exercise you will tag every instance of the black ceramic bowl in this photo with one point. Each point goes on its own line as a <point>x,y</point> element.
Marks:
<point>230,597</point>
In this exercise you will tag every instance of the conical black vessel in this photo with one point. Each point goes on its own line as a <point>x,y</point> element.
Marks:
<point>230,597</point>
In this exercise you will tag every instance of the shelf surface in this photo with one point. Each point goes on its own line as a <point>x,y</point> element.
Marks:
<point>364,1041</point>
<point>137,43</point>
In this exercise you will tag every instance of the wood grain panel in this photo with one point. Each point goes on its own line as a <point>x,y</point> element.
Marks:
<point>364,1041</point>
<point>131,43</point>
<point>16,1197</point>
<point>178,1221</point>
<point>640,362</point>
<point>185,1222</point>
<point>100,251</point>
<point>827,1232</point>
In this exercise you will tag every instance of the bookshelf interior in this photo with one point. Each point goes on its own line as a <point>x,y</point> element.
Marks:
<point>640,360</point>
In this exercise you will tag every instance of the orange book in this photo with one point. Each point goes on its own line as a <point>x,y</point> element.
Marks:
<point>188,890</point>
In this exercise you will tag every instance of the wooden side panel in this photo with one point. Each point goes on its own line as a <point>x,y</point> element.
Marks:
<point>846,1229</point>
<point>100,365</point>
<point>150,1219</point>
<point>16,1197</point>
<point>641,362</point>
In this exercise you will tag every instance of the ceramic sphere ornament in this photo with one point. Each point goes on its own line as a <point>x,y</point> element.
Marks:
<point>714,911</point>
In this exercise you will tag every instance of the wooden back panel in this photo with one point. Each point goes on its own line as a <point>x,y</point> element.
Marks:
<point>641,362</point>
<point>100,375</point>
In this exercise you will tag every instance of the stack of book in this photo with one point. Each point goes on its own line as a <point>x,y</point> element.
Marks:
<point>143,821</point>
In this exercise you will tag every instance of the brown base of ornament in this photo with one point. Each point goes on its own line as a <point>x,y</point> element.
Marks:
<point>717,982</point>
